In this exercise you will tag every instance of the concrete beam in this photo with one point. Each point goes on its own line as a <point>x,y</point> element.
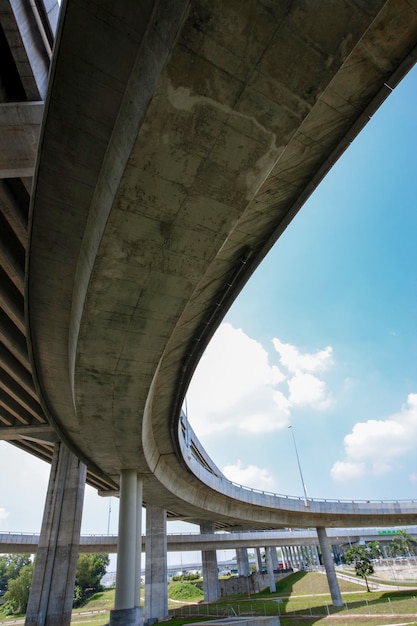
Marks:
<point>19,135</point>
<point>28,44</point>
<point>33,432</point>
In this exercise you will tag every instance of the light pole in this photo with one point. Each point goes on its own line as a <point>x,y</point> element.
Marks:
<point>108,521</point>
<point>299,467</point>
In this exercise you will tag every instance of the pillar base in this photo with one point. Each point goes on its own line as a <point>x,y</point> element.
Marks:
<point>126,617</point>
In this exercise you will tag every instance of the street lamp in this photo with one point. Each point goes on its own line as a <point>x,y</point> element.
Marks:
<point>299,467</point>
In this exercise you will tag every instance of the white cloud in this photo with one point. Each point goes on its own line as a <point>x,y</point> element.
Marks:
<point>294,361</point>
<point>3,514</point>
<point>250,476</point>
<point>379,445</point>
<point>236,387</point>
<point>308,390</point>
<point>305,388</point>
<point>345,470</point>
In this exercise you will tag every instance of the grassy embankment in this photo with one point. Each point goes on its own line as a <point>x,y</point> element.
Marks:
<point>301,599</point>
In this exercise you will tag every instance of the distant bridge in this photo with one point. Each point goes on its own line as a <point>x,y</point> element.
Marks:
<point>28,542</point>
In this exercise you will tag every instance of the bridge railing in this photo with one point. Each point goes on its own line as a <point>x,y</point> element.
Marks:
<point>192,452</point>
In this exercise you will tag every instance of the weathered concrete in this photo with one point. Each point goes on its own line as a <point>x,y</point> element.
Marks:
<point>329,567</point>
<point>270,569</point>
<point>274,557</point>
<point>249,585</point>
<point>211,586</point>
<point>28,44</point>
<point>19,134</point>
<point>52,591</point>
<point>177,189</point>
<point>242,559</point>
<point>156,570</point>
<point>175,149</point>
<point>126,617</point>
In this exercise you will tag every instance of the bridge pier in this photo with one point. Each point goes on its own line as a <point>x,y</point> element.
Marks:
<point>274,556</point>
<point>52,590</point>
<point>270,569</point>
<point>242,559</point>
<point>258,559</point>
<point>329,567</point>
<point>156,570</point>
<point>127,611</point>
<point>211,585</point>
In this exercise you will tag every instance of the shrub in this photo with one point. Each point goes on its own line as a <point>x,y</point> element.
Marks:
<point>184,591</point>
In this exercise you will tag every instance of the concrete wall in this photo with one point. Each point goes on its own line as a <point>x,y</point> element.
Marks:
<point>246,584</point>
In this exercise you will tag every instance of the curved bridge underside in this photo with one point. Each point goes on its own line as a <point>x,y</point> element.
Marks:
<point>178,141</point>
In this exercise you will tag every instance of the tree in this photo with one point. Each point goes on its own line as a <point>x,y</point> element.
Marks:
<point>359,556</point>
<point>17,595</point>
<point>375,550</point>
<point>10,567</point>
<point>90,570</point>
<point>402,544</point>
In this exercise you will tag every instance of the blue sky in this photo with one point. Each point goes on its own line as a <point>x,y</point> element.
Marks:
<point>323,338</point>
<point>333,308</point>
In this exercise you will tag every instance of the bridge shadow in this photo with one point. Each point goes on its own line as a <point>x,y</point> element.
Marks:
<point>299,596</point>
<point>305,595</point>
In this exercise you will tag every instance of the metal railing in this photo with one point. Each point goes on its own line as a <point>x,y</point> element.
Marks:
<point>187,439</point>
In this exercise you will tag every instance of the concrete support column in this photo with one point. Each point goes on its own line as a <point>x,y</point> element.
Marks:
<point>138,563</point>
<point>126,611</point>
<point>287,554</point>
<point>52,590</point>
<point>304,557</point>
<point>329,567</point>
<point>258,558</point>
<point>274,555</point>
<point>316,556</point>
<point>211,585</point>
<point>156,570</point>
<point>242,562</point>
<point>282,553</point>
<point>270,569</point>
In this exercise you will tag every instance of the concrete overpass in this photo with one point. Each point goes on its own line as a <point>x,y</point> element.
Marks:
<point>27,543</point>
<point>177,143</point>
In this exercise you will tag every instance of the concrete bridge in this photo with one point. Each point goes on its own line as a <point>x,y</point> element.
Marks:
<point>152,153</point>
<point>27,543</point>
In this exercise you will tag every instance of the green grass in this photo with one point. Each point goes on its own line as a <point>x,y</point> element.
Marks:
<point>301,599</point>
